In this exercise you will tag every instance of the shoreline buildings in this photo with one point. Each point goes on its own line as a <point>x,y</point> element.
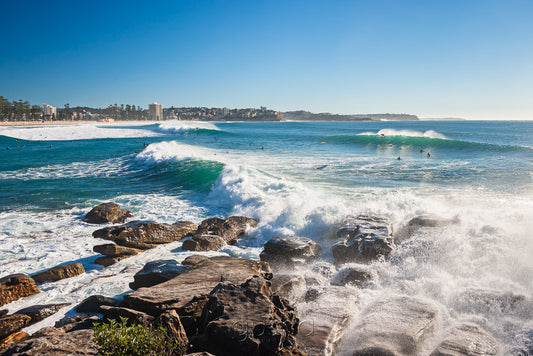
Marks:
<point>49,112</point>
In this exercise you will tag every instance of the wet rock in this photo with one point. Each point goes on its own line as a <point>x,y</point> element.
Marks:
<point>58,273</point>
<point>64,341</point>
<point>291,287</point>
<point>203,243</point>
<point>363,239</point>
<point>115,250</point>
<point>3,312</point>
<point>133,316</point>
<point>325,269</point>
<point>423,221</point>
<point>15,337</point>
<point>467,339</point>
<point>107,213</point>
<point>195,281</point>
<point>194,259</point>
<point>93,303</point>
<point>290,252</point>
<point>246,319</point>
<point>354,274</point>
<point>156,272</point>
<point>170,321</point>
<point>394,326</point>
<point>145,235</point>
<point>488,301</point>
<point>16,286</point>
<point>107,261</point>
<point>12,323</point>
<point>323,320</point>
<point>41,312</point>
<point>228,229</point>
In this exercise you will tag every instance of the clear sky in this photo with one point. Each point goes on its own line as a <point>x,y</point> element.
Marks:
<point>433,58</point>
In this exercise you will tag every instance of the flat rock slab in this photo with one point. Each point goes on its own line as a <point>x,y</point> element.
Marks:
<point>107,213</point>
<point>395,326</point>
<point>60,272</point>
<point>198,280</point>
<point>467,339</point>
<point>115,250</point>
<point>156,272</point>
<point>16,286</point>
<point>107,261</point>
<point>146,235</point>
<point>41,312</point>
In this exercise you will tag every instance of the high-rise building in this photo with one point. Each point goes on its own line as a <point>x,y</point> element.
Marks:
<point>156,111</point>
<point>49,111</point>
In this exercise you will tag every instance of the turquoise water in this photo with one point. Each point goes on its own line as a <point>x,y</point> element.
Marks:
<point>297,178</point>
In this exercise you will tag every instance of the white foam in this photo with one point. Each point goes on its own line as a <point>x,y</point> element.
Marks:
<point>178,126</point>
<point>172,151</point>
<point>405,133</point>
<point>76,132</point>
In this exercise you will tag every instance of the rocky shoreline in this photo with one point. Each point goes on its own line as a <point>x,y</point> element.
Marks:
<point>291,302</point>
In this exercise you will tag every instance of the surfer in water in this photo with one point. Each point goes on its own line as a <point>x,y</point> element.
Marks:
<point>429,155</point>
<point>399,158</point>
<point>421,150</point>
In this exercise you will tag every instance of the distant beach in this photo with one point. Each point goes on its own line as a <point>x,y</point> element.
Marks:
<point>41,123</point>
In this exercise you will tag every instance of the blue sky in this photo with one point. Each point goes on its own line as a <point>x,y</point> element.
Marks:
<point>450,58</point>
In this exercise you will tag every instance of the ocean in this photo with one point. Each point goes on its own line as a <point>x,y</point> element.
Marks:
<point>296,178</point>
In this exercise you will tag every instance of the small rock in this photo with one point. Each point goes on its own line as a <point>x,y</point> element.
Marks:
<point>289,252</point>
<point>115,250</point>
<point>60,272</point>
<point>467,339</point>
<point>41,312</point>
<point>204,243</point>
<point>107,213</point>
<point>16,286</point>
<point>156,272</point>
<point>93,303</point>
<point>11,323</point>
<point>194,259</point>
<point>107,261</point>
<point>133,316</point>
<point>353,274</point>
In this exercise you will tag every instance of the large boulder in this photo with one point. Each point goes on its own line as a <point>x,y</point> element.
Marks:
<point>156,272</point>
<point>467,339</point>
<point>395,326</point>
<point>69,339</point>
<point>363,239</point>
<point>246,319</point>
<point>289,252</point>
<point>11,323</point>
<point>146,235</point>
<point>204,243</point>
<point>60,272</point>
<point>197,280</point>
<point>41,312</point>
<point>107,213</point>
<point>16,286</point>
<point>228,229</point>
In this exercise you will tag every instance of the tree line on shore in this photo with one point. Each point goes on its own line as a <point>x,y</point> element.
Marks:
<point>19,110</point>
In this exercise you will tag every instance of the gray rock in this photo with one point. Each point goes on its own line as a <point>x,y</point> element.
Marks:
<point>146,235</point>
<point>194,259</point>
<point>395,326</point>
<point>93,303</point>
<point>363,239</point>
<point>156,272</point>
<point>107,213</point>
<point>203,243</point>
<point>354,274</point>
<point>197,280</point>
<point>41,312</point>
<point>289,252</point>
<point>467,339</point>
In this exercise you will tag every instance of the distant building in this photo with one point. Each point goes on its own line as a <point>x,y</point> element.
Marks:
<point>49,111</point>
<point>156,111</point>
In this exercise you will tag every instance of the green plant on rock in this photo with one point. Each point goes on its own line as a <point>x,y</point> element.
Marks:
<point>120,339</point>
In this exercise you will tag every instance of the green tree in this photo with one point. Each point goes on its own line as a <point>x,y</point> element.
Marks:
<point>66,112</point>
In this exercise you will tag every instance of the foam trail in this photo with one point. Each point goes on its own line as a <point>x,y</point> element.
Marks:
<point>406,133</point>
<point>178,126</point>
<point>172,151</point>
<point>77,132</point>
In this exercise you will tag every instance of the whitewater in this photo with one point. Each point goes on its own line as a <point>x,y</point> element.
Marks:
<point>297,179</point>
